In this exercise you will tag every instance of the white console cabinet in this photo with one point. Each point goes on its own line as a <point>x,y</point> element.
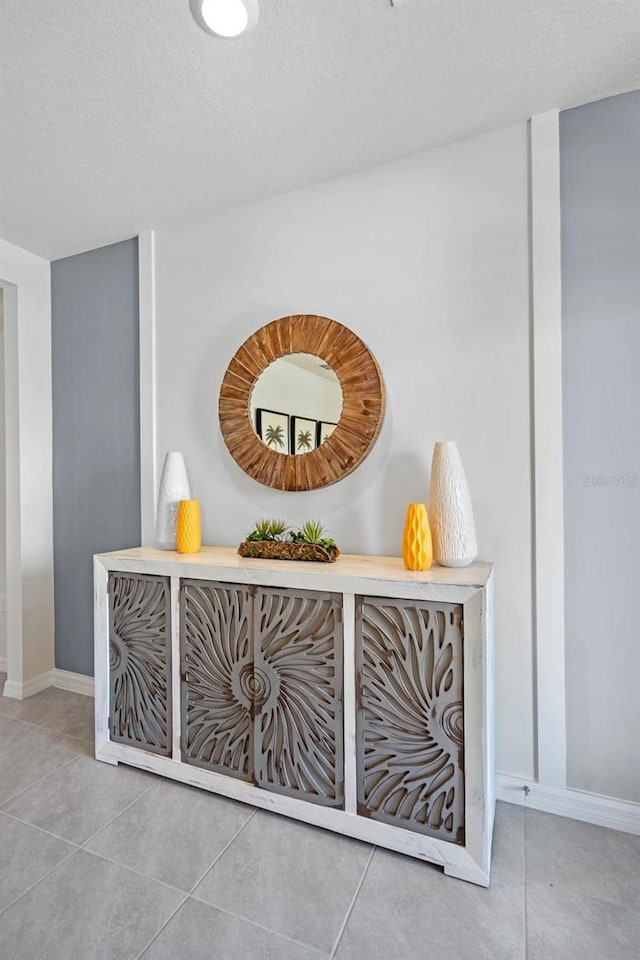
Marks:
<point>356,696</point>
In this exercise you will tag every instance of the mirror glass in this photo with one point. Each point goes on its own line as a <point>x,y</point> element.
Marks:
<point>296,403</point>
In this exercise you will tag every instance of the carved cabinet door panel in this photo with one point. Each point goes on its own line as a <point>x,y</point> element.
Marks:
<point>409,728</point>
<point>140,661</point>
<point>216,654</point>
<point>299,740</point>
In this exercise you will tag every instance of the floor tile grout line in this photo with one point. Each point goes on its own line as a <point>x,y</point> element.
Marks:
<point>77,847</point>
<point>137,873</point>
<point>39,880</point>
<point>119,814</point>
<point>164,925</point>
<point>223,851</point>
<point>196,884</point>
<point>41,726</point>
<point>352,904</point>
<point>26,823</point>
<point>82,847</point>
<point>65,710</point>
<point>260,926</point>
<point>35,783</point>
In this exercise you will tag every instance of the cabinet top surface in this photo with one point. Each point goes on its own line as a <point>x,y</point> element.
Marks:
<point>348,566</point>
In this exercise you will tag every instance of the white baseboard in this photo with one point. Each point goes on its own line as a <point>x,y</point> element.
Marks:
<point>75,682</point>
<point>565,802</point>
<point>62,679</point>
<point>20,691</point>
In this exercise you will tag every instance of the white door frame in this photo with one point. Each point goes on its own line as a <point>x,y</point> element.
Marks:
<point>548,495</point>
<point>26,283</point>
<point>13,551</point>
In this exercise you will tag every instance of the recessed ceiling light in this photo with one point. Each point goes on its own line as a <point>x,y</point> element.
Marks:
<point>226,19</point>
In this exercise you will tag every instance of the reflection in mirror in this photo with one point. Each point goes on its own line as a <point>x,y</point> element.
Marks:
<point>296,403</point>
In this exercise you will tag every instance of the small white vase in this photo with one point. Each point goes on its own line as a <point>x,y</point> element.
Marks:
<point>450,513</point>
<point>174,487</point>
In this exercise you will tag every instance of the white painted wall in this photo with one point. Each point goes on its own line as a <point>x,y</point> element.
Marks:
<point>3,515</point>
<point>426,259</point>
<point>25,279</point>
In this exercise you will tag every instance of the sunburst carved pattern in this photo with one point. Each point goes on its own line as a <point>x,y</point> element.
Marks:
<point>140,665</point>
<point>298,682</point>
<point>218,684</point>
<point>410,719</point>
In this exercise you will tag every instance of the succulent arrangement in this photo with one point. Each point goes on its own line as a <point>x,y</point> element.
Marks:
<point>273,538</point>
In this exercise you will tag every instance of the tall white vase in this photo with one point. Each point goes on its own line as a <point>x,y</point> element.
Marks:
<point>450,513</point>
<point>174,487</point>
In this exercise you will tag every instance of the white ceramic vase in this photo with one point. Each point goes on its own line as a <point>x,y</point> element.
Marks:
<point>174,487</point>
<point>450,513</point>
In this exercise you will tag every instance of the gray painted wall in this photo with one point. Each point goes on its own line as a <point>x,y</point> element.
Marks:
<point>96,429</point>
<point>600,196</point>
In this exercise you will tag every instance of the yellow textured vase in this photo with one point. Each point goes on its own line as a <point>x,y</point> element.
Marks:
<point>188,533</point>
<point>417,551</point>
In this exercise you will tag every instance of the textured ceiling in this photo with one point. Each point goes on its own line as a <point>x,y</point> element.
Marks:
<point>118,116</point>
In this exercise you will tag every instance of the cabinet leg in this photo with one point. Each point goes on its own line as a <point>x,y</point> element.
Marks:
<point>103,759</point>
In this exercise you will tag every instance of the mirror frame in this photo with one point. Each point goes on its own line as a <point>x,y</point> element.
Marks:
<point>363,403</point>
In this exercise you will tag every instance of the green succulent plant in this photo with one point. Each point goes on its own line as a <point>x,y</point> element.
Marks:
<point>278,527</point>
<point>312,531</point>
<point>267,529</point>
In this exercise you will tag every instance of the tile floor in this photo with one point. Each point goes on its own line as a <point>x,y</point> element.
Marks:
<point>106,863</point>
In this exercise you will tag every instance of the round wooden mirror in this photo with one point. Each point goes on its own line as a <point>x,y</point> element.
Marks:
<point>269,438</point>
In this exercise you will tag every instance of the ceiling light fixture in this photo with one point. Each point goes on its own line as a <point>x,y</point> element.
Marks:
<point>226,19</point>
